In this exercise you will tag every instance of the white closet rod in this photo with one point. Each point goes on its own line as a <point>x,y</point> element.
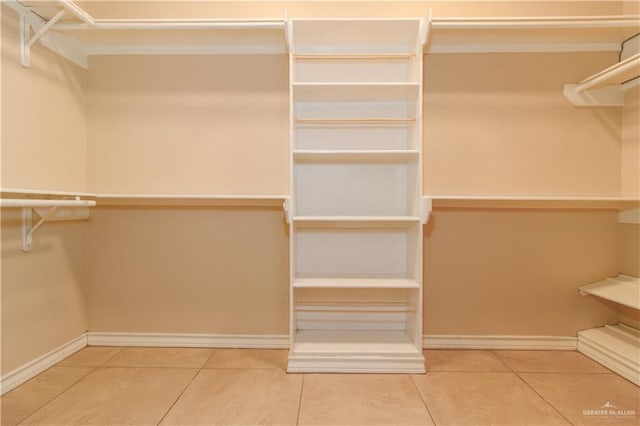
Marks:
<point>76,10</point>
<point>28,202</point>
<point>539,22</point>
<point>174,24</point>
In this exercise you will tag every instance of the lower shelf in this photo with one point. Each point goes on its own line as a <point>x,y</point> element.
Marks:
<point>355,351</point>
<point>614,346</point>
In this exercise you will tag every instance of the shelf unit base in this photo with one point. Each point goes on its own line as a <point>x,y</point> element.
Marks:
<point>617,347</point>
<point>356,364</point>
<point>355,351</point>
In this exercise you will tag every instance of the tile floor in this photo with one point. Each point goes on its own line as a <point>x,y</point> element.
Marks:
<point>171,386</point>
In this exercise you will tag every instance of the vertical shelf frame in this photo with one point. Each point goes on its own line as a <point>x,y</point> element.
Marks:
<point>356,252</point>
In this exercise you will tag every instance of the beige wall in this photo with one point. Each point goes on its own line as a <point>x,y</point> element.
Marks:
<point>189,124</point>
<point>189,270</point>
<point>43,117</point>
<point>498,124</point>
<point>43,147</point>
<point>44,291</point>
<point>630,145</point>
<point>517,272</point>
<point>225,270</point>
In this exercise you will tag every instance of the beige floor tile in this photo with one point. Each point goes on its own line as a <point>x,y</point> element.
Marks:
<point>355,399</point>
<point>116,396</point>
<point>160,357</point>
<point>248,358</point>
<point>484,398</point>
<point>238,397</point>
<point>91,356</point>
<point>550,362</point>
<point>577,396</point>
<point>24,400</point>
<point>463,360</point>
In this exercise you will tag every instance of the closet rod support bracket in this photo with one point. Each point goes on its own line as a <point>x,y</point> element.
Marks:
<point>425,211</point>
<point>287,210</point>
<point>26,41</point>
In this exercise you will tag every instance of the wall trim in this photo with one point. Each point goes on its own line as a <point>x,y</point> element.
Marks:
<point>266,341</point>
<point>32,368</point>
<point>500,342</point>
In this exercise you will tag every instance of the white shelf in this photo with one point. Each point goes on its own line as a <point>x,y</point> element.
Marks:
<point>623,289</point>
<point>525,201</point>
<point>189,200</point>
<point>617,347</point>
<point>376,156</point>
<point>355,221</point>
<point>309,342</point>
<point>355,282</point>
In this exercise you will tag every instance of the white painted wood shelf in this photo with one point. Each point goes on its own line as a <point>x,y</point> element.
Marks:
<point>351,156</point>
<point>617,347</point>
<point>356,99</point>
<point>623,289</point>
<point>355,282</point>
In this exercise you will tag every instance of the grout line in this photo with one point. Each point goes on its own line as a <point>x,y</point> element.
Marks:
<point>179,396</point>
<point>494,352</point>
<point>543,398</point>
<point>424,402</point>
<point>93,369</point>
<point>213,351</point>
<point>300,400</point>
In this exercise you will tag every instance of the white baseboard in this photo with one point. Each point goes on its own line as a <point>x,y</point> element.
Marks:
<point>33,368</point>
<point>500,342</point>
<point>266,341</point>
<point>281,341</point>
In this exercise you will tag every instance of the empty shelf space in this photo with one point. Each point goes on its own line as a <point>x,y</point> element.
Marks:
<point>352,92</point>
<point>363,68</point>
<point>353,342</point>
<point>346,36</point>
<point>374,120</point>
<point>375,156</point>
<point>623,289</point>
<point>355,282</point>
<point>359,135</point>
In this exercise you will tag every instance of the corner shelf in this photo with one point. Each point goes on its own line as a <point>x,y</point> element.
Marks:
<point>623,289</point>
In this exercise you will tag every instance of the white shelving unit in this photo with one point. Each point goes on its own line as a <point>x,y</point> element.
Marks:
<point>356,231</point>
<point>615,346</point>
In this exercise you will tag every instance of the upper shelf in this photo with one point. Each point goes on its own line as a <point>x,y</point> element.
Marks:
<point>75,34</point>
